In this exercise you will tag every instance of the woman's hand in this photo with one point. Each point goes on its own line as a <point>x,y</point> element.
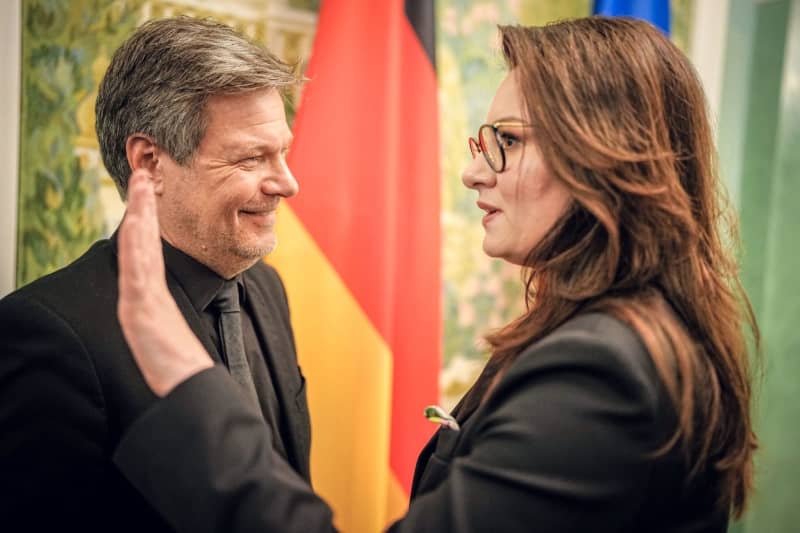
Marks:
<point>165,349</point>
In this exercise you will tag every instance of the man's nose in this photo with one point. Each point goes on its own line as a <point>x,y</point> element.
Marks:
<point>280,182</point>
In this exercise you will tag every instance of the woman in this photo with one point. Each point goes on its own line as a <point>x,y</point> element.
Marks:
<point>619,401</point>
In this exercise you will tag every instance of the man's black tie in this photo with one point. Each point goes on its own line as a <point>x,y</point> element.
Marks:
<point>230,328</point>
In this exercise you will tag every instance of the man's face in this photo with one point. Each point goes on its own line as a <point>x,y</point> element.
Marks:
<point>220,208</point>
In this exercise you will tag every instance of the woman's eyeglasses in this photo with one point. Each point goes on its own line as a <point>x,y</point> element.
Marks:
<point>492,142</point>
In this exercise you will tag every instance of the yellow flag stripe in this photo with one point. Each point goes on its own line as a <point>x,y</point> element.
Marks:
<point>348,366</point>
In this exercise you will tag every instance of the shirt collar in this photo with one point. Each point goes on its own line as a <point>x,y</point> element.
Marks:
<point>199,282</point>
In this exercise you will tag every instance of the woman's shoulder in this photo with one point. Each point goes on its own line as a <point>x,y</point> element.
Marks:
<point>591,334</point>
<point>598,347</point>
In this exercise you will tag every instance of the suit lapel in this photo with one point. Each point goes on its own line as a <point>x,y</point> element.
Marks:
<point>434,461</point>
<point>442,444</point>
<point>281,359</point>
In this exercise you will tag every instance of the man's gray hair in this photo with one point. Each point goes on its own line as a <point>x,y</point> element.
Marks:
<point>159,80</point>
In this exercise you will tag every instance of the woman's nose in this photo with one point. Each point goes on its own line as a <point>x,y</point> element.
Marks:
<point>478,173</point>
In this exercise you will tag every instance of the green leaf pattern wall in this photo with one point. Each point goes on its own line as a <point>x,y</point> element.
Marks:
<point>63,42</point>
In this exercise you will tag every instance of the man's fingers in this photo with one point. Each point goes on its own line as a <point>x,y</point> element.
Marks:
<point>140,255</point>
<point>160,340</point>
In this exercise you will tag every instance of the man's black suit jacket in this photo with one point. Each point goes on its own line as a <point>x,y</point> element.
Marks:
<point>69,388</point>
<point>563,445</point>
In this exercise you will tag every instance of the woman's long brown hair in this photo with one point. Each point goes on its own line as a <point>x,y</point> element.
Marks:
<point>620,118</point>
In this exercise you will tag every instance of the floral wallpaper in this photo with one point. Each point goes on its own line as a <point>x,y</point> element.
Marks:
<point>59,210</point>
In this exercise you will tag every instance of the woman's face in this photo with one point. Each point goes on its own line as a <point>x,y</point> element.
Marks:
<point>524,200</point>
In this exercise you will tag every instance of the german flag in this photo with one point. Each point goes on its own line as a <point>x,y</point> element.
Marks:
<point>360,252</point>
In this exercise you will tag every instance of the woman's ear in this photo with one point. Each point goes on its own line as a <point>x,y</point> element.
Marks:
<point>143,153</point>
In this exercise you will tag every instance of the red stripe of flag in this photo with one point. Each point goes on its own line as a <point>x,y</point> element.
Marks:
<point>366,157</point>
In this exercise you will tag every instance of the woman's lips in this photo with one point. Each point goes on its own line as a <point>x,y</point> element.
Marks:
<point>490,215</point>
<point>491,212</point>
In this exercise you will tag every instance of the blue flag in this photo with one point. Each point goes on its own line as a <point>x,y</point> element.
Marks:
<point>654,11</point>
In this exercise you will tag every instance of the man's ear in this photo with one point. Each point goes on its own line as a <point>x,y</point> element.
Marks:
<point>143,153</point>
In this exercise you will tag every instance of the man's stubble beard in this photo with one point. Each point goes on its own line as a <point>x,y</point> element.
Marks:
<point>254,252</point>
<point>234,255</point>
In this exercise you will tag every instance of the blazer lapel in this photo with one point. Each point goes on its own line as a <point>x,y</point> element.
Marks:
<point>286,379</point>
<point>434,461</point>
<point>422,462</point>
<point>436,454</point>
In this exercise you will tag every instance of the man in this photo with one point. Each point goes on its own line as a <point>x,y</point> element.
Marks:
<point>198,108</point>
